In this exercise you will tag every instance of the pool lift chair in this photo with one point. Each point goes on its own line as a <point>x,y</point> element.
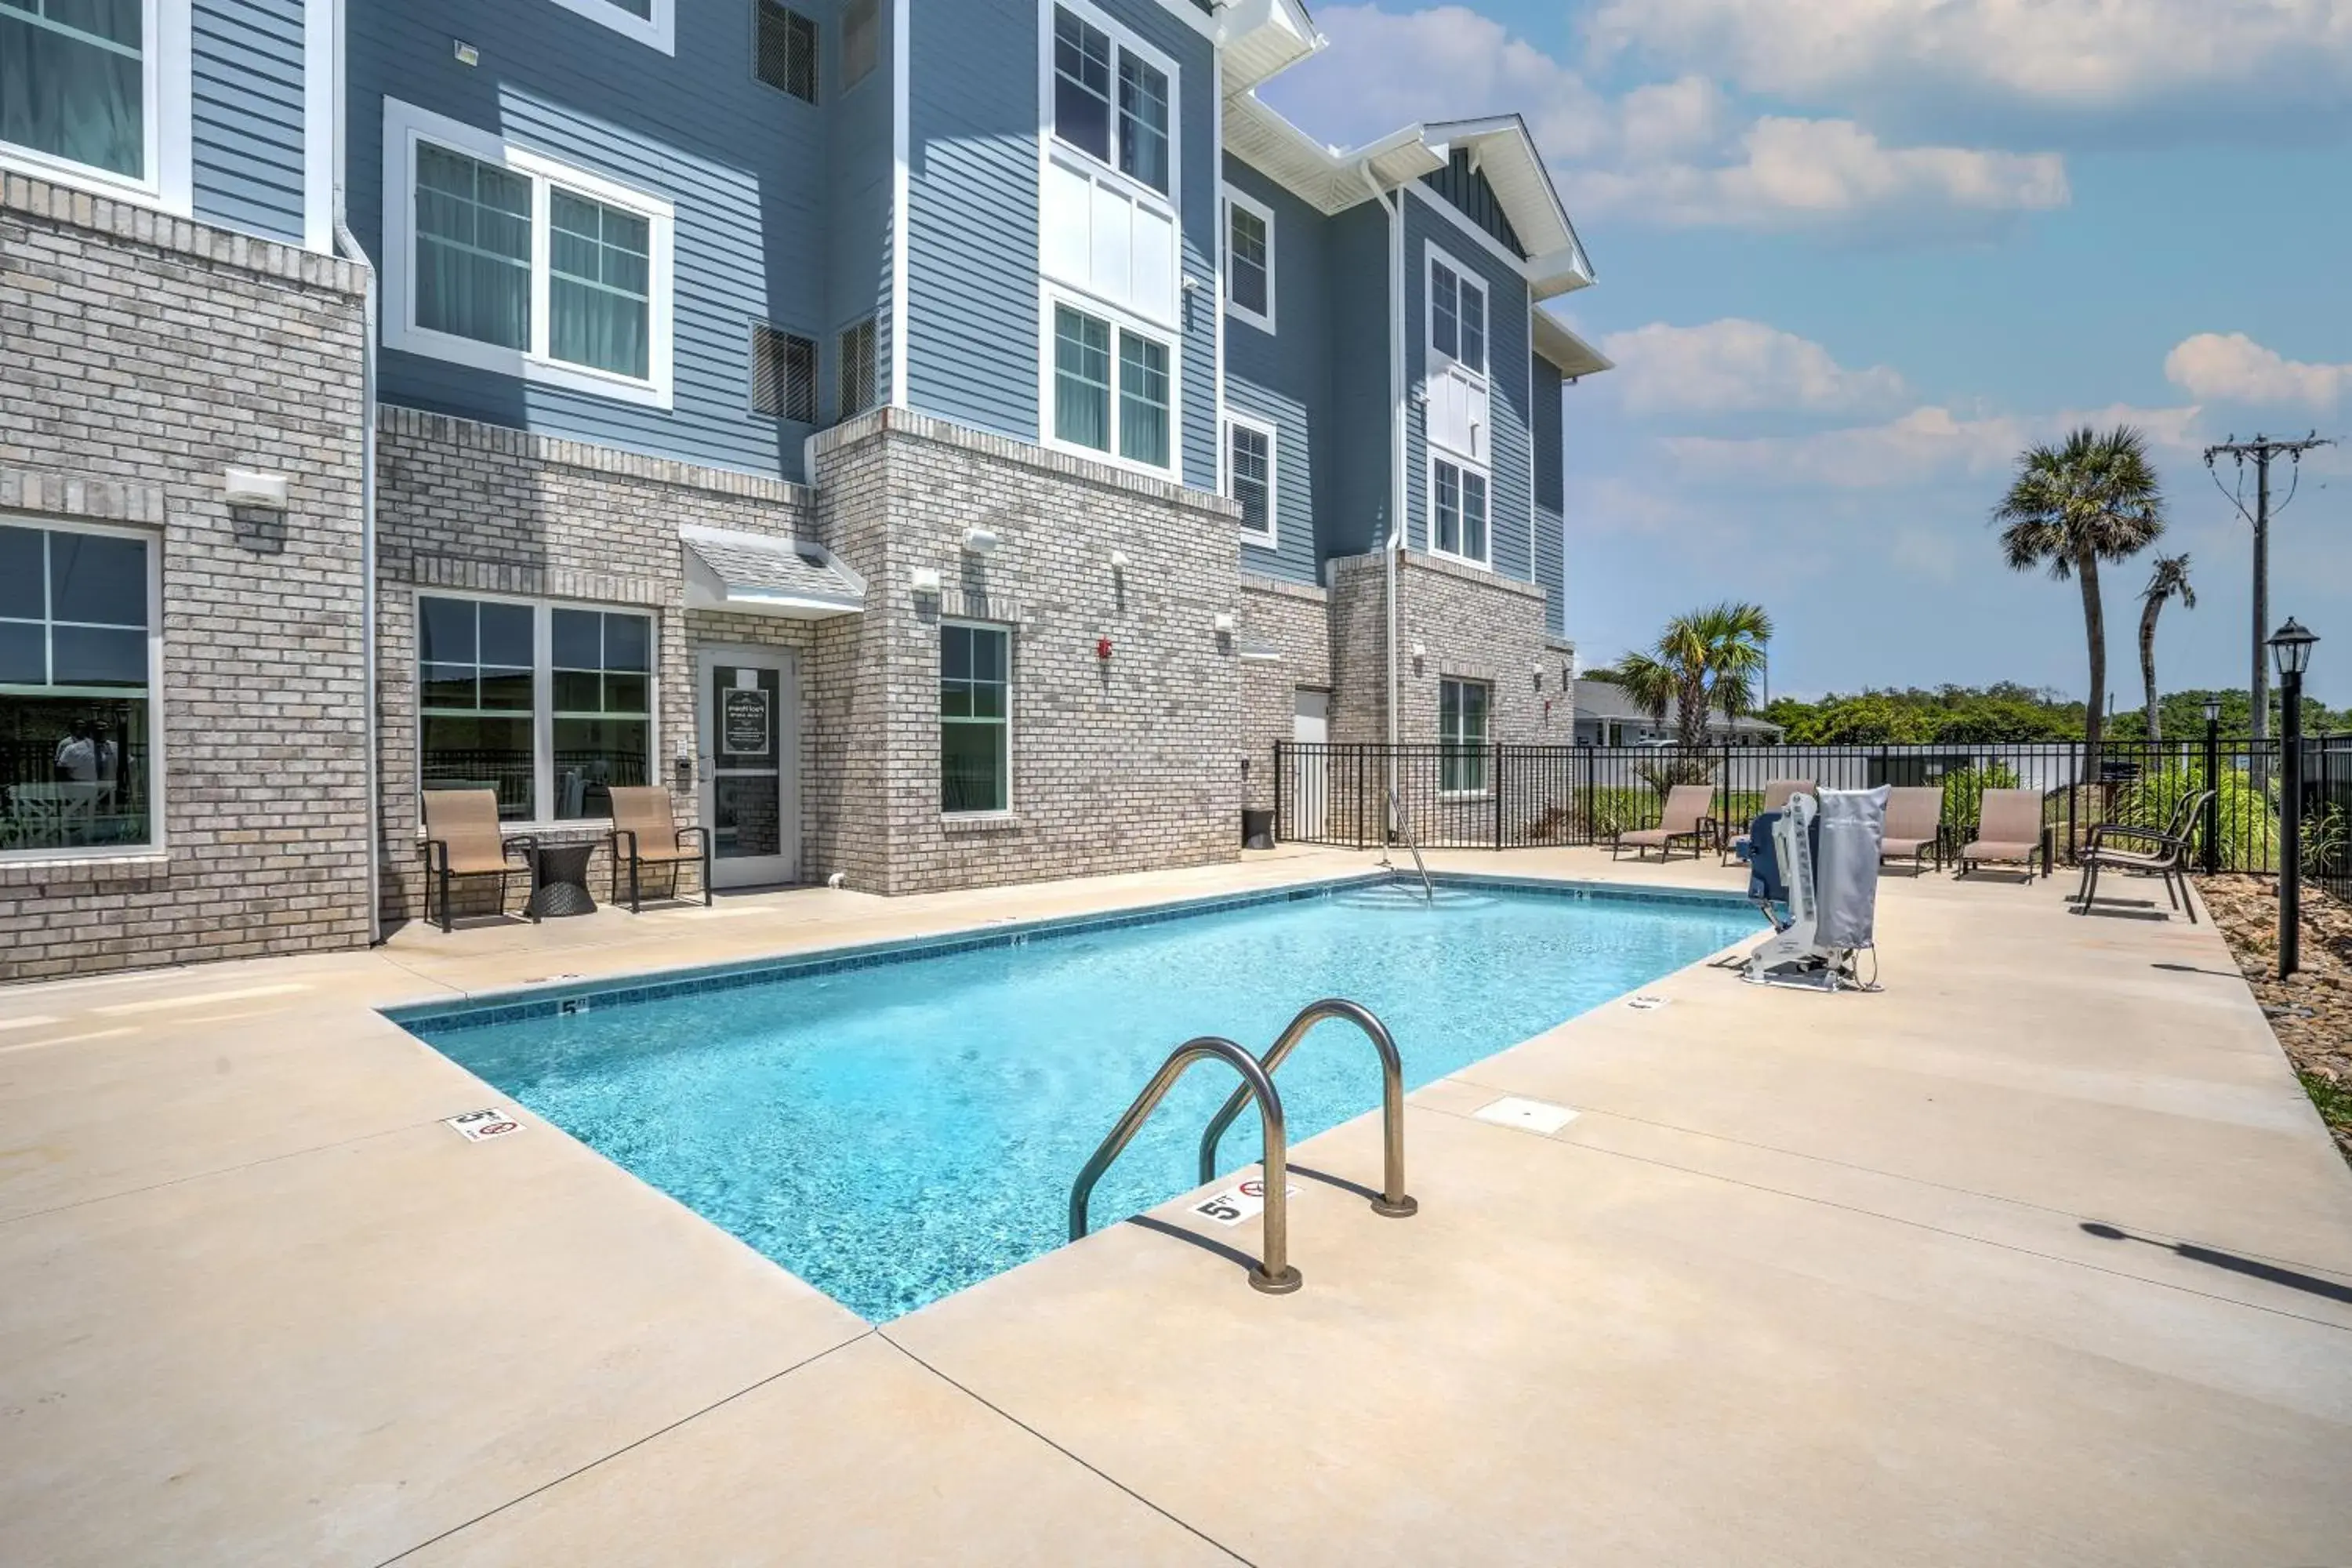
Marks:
<point>1817,859</point>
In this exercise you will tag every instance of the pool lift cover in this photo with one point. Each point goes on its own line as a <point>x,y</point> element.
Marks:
<point>1819,860</point>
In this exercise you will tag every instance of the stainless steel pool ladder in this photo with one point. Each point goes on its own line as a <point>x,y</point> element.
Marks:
<point>1274,1274</point>
<point>1392,1200</point>
<point>1405,827</point>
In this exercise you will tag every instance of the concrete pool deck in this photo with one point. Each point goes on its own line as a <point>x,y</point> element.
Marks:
<point>1807,1280</point>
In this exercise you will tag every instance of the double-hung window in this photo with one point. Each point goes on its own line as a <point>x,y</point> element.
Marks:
<point>1457,317</point>
<point>95,93</point>
<point>550,705</point>
<point>975,719</point>
<point>1112,101</point>
<point>77,675</point>
<point>650,22</point>
<point>1462,709</point>
<point>1458,523</point>
<point>504,259</point>
<point>1249,260</point>
<point>1249,474</point>
<point>1113,388</point>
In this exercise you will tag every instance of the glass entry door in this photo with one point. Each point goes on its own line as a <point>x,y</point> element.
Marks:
<point>750,733</point>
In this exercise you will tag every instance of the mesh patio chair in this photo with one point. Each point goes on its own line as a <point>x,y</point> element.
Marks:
<point>2009,831</point>
<point>645,834</point>
<point>1776,794</point>
<point>2164,851</point>
<point>1684,817</point>
<point>1914,825</point>
<point>462,839</point>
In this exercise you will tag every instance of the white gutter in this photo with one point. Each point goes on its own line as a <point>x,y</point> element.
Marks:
<point>1395,545</point>
<point>349,245</point>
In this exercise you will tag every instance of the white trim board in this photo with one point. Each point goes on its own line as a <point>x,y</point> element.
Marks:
<point>1229,198</point>
<point>659,31</point>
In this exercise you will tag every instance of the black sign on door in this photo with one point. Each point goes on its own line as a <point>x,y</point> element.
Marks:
<point>744,723</point>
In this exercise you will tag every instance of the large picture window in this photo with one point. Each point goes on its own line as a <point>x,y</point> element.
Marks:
<point>975,719</point>
<point>1462,709</point>
<point>1457,523</point>
<point>499,258</point>
<point>1112,101</point>
<point>550,706</point>
<point>1091,382</point>
<point>76,700</point>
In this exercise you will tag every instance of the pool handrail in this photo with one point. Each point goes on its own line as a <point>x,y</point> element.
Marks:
<point>1274,1274</point>
<point>1392,1202</point>
<point>1405,827</point>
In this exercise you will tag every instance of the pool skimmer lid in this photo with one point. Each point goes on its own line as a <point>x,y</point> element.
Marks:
<point>1528,1115</point>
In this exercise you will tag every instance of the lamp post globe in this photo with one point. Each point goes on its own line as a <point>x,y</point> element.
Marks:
<point>2290,649</point>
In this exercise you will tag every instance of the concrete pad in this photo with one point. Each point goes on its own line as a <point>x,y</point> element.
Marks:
<point>335,1356</point>
<point>863,1456</point>
<point>1585,1360</point>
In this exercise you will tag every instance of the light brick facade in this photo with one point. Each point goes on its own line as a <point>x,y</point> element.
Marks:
<point>141,357</point>
<point>1287,629</point>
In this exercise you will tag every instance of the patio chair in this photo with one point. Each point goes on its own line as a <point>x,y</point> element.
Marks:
<point>1776,796</point>
<point>1685,817</point>
<point>462,839</point>
<point>1914,825</point>
<point>641,818</point>
<point>2165,853</point>
<point>2009,831</point>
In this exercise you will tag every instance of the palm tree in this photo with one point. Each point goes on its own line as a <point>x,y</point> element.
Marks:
<point>2093,498</point>
<point>2170,581</point>
<point>1709,659</point>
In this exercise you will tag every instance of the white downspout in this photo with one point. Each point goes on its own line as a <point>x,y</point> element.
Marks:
<point>348,244</point>
<point>1395,543</point>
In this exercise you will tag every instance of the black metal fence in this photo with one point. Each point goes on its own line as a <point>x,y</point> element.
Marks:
<point>1507,797</point>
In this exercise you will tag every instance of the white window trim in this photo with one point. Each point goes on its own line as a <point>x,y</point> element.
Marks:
<point>1486,791</point>
<point>167,50</point>
<point>1434,255</point>
<point>154,848</point>
<point>542,700</point>
<point>405,126</point>
<point>1264,214</point>
<point>1438,454</point>
<point>1121,38</point>
<point>1008,812</point>
<point>1272,533</point>
<point>1052,294</point>
<point>659,31</point>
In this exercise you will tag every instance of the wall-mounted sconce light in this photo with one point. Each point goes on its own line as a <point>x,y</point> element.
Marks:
<point>1225,624</point>
<point>981,541</point>
<point>925,579</point>
<point>466,53</point>
<point>246,486</point>
<point>1119,560</point>
<point>1420,650</point>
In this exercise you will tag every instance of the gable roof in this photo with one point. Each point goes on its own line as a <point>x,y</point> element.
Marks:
<point>1260,37</point>
<point>1566,353</point>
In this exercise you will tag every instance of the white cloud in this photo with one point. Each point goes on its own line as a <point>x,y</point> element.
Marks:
<point>2236,369</point>
<point>1925,446</point>
<point>2071,54</point>
<point>1739,366</point>
<point>1677,153</point>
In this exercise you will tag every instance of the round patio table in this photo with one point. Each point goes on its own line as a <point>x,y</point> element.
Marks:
<point>559,881</point>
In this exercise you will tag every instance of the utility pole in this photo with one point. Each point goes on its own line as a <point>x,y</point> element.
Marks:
<point>2262,450</point>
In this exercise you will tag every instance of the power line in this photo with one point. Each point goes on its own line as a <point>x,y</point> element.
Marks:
<point>2263,451</point>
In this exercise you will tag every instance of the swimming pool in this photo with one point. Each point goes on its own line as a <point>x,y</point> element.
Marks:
<point>893,1125</point>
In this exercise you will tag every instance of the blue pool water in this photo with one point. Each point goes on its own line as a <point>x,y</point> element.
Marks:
<point>894,1131</point>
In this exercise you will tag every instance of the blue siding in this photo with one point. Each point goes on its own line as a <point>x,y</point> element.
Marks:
<point>858,205</point>
<point>747,167</point>
<point>1284,378</point>
<point>972,261</point>
<point>1356,520</point>
<point>246,110</point>
<point>1509,352</point>
<point>1470,191</point>
<point>972,286</point>
<point>1550,497</point>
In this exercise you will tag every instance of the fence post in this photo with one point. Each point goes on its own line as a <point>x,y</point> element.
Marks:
<point>1277,793</point>
<point>2213,822</point>
<point>1494,764</point>
<point>1584,795</point>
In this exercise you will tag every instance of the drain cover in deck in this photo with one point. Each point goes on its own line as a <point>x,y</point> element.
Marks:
<point>1529,1115</point>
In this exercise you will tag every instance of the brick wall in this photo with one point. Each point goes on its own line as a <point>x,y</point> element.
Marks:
<point>140,357</point>
<point>1119,765</point>
<point>1292,622</point>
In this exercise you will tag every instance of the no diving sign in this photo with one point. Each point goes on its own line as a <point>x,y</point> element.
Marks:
<point>480,1126</point>
<point>1244,1201</point>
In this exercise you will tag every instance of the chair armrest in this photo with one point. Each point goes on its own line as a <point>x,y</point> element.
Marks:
<point>2100,830</point>
<point>631,834</point>
<point>525,842</point>
<point>700,831</point>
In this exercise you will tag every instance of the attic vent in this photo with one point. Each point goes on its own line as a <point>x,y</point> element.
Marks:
<point>785,53</point>
<point>783,374</point>
<point>857,369</point>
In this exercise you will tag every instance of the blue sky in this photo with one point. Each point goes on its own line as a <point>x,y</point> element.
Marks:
<point>1855,254</point>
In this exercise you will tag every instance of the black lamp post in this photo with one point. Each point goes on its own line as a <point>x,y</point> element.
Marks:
<point>2291,651</point>
<point>2212,823</point>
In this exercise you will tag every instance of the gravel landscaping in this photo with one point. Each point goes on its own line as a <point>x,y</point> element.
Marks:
<point>2311,1014</point>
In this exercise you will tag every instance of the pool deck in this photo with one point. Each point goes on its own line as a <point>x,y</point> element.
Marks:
<point>1808,1280</point>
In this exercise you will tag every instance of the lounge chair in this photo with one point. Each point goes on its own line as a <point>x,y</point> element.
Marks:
<point>1776,796</point>
<point>462,839</point>
<point>1685,817</point>
<point>2164,851</point>
<point>2009,831</point>
<point>1914,825</point>
<point>645,834</point>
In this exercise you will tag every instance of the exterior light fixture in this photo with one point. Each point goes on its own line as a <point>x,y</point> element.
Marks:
<point>2291,651</point>
<point>925,579</point>
<point>2213,710</point>
<point>466,53</point>
<point>246,486</point>
<point>1119,560</point>
<point>1225,624</point>
<point>2291,648</point>
<point>981,541</point>
<point>1420,650</point>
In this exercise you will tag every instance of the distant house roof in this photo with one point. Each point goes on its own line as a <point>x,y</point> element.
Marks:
<point>1611,703</point>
